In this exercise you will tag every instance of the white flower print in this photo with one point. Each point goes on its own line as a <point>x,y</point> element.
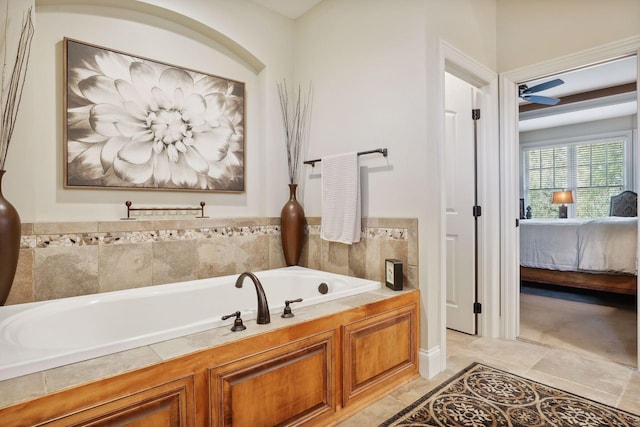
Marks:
<point>139,123</point>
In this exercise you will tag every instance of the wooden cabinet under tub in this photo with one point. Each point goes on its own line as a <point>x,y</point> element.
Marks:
<point>284,386</point>
<point>313,372</point>
<point>376,350</point>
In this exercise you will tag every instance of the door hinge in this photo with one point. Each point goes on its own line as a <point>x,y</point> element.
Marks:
<point>517,222</point>
<point>477,308</point>
<point>475,114</point>
<point>477,211</point>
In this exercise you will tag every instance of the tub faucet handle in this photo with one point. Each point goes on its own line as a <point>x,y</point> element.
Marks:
<point>287,310</point>
<point>237,323</point>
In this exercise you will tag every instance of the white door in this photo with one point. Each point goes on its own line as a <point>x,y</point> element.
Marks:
<point>459,193</point>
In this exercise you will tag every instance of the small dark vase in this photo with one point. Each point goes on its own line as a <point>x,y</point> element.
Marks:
<point>10,231</point>
<point>292,227</point>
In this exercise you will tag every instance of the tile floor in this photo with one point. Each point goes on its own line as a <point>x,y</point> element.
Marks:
<point>589,376</point>
<point>592,323</point>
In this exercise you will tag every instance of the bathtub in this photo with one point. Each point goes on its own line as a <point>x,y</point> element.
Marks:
<point>43,335</point>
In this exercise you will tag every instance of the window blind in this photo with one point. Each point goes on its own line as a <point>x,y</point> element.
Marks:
<point>593,170</point>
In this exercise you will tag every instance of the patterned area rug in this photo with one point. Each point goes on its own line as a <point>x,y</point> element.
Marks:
<point>483,396</point>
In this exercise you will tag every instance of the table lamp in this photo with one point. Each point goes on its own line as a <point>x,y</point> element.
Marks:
<point>562,197</point>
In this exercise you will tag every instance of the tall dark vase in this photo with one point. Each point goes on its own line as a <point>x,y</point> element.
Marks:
<point>10,231</point>
<point>292,227</point>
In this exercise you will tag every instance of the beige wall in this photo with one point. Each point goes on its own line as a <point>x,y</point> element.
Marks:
<point>66,259</point>
<point>377,73</point>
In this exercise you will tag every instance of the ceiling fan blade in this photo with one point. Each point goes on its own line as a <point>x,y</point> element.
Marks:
<point>537,99</point>
<point>544,86</point>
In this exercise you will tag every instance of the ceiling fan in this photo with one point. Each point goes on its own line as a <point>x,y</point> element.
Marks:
<point>525,92</point>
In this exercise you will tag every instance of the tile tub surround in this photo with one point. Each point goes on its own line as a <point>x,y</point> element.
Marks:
<point>63,259</point>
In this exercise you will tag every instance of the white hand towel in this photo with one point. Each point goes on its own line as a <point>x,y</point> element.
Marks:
<point>340,199</point>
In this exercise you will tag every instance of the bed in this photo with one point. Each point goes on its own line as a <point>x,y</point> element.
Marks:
<point>598,254</point>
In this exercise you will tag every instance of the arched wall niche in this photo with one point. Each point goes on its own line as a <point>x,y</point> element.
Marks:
<point>216,44</point>
<point>164,18</point>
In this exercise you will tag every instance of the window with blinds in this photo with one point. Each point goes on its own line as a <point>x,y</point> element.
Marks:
<point>593,170</point>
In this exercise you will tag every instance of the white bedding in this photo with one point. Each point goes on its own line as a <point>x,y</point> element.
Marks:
<point>550,243</point>
<point>594,245</point>
<point>608,244</point>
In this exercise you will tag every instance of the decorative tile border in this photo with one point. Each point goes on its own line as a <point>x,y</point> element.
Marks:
<point>27,242</point>
<point>162,235</point>
<point>372,233</point>
<point>386,233</point>
<point>129,237</point>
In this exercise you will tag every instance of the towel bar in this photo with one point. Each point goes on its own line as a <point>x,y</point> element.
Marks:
<point>128,204</point>
<point>382,151</point>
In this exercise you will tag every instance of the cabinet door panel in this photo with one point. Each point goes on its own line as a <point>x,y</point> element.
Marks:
<point>286,386</point>
<point>378,349</point>
<point>165,405</point>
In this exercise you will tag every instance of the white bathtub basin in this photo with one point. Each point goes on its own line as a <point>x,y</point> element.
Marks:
<point>43,335</point>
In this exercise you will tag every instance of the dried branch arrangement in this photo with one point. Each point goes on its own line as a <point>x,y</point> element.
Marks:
<point>295,116</point>
<point>13,84</point>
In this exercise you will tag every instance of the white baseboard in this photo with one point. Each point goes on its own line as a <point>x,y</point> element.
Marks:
<point>429,362</point>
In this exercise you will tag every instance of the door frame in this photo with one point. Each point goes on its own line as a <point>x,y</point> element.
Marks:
<point>509,164</point>
<point>485,80</point>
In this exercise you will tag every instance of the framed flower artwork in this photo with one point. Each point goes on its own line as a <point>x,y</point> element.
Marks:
<point>135,123</point>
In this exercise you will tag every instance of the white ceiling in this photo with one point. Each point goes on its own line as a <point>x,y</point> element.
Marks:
<point>612,73</point>
<point>599,76</point>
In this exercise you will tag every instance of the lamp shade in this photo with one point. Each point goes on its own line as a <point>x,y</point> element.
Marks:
<point>562,197</point>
